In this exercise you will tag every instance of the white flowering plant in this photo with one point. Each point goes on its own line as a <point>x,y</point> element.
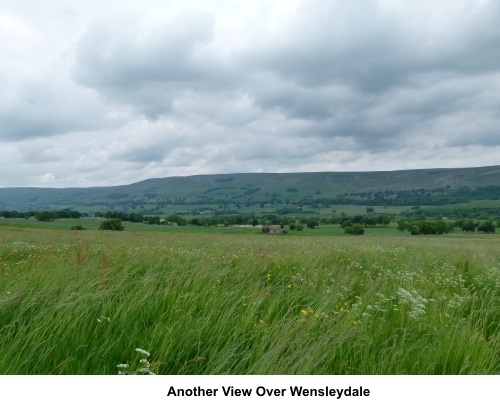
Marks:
<point>141,367</point>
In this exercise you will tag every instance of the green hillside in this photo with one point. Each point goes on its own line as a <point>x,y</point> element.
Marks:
<point>285,190</point>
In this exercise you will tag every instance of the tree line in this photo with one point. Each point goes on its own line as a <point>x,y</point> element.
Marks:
<point>440,227</point>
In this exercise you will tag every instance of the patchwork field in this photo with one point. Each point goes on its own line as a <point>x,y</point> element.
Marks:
<point>82,303</point>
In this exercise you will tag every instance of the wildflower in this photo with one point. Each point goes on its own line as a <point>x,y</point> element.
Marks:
<point>268,276</point>
<point>289,286</point>
<point>145,370</point>
<point>303,312</point>
<point>354,323</point>
<point>142,351</point>
<point>415,301</point>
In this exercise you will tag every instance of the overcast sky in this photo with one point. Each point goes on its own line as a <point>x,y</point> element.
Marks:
<point>96,93</point>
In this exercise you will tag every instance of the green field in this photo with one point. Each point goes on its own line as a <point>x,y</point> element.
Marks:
<point>93,225</point>
<point>236,301</point>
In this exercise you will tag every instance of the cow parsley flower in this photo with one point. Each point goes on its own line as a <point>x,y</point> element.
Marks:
<point>142,351</point>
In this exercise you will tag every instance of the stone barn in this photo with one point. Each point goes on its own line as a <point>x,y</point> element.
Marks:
<point>272,229</point>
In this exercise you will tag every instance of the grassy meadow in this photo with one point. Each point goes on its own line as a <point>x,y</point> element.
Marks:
<point>82,302</point>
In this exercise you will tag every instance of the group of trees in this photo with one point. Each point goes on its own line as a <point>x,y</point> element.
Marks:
<point>52,215</point>
<point>112,224</point>
<point>42,215</point>
<point>468,225</point>
<point>419,224</point>
<point>356,225</point>
<point>355,229</point>
<point>481,213</point>
<point>439,227</point>
<point>426,227</point>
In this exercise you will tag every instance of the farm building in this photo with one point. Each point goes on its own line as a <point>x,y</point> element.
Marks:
<point>272,229</point>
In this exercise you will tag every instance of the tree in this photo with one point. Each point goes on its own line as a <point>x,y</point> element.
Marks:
<point>312,223</point>
<point>402,226</point>
<point>45,216</point>
<point>345,223</point>
<point>414,229</point>
<point>384,220</point>
<point>369,221</point>
<point>468,226</point>
<point>177,219</point>
<point>135,217</point>
<point>355,229</point>
<point>152,220</point>
<point>357,219</point>
<point>112,224</point>
<point>486,227</point>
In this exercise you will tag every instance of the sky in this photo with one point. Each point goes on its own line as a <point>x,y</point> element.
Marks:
<point>101,93</point>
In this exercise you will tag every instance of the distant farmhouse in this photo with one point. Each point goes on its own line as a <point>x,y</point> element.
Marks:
<point>272,229</point>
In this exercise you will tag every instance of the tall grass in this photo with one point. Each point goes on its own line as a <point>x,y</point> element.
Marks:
<point>83,302</point>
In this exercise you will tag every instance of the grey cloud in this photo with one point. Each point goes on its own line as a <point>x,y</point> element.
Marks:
<point>371,48</point>
<point>337,85</point>
<point>144,154</point>
<point>337,42</point>
<point>148,70</point>
<point>25,122</point>
<point>344,70</point>
<point>47,107</point>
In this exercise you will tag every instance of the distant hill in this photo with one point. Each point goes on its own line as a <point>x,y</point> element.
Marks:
<point>403,187</point>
